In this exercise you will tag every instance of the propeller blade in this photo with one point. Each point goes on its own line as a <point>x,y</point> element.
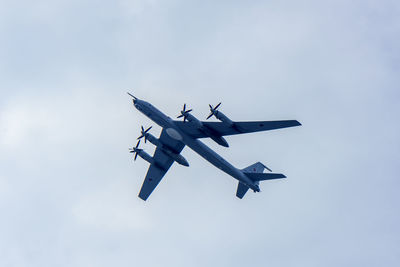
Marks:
<point>143,133</point>
<point>184,113</point>
<point>213,110</point>
<point>135,150</point>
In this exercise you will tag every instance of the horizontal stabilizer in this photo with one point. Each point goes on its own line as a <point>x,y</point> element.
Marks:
<point>264,176</point>
<point>241,190</point>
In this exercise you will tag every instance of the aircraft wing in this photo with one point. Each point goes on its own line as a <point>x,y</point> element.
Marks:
<point>222,129</point>
<point>162,163</point>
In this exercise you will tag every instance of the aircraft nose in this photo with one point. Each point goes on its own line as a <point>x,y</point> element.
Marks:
<point>134,98</point>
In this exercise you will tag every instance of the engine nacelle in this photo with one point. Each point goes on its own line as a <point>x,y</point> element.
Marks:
<point>209,132</point>
<point>176,157</point>
<point>194,120</point>
<point>222,117</point>
<point>146,156</point>
<point>155,141</point>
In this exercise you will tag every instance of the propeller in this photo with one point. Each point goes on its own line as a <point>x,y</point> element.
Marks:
<point>144,133</point>
<point>135,150</point>
<point>213,110</point>
<point>184,113</point>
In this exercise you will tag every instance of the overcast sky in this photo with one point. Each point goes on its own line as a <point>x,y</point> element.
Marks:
<point>68,186</point>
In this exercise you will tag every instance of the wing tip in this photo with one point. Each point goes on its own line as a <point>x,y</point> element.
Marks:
<point>142,197</point>
<point>297,123</point>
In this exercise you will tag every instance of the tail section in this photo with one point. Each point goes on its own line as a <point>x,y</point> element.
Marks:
<point>256,173</point>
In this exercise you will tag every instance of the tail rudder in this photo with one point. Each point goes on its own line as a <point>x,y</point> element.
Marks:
<point>256,168</point>
<point>241,190</point>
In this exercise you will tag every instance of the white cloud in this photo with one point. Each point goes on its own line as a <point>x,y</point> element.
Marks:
<point>68,185</point>
<point>108,210</point>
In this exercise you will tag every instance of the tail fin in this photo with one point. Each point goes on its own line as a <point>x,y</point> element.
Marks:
<point>256,167</point>
<point>256,173</point>
<point>241,190</point>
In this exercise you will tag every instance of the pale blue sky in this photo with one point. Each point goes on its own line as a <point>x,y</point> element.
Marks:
<point>68,186</point>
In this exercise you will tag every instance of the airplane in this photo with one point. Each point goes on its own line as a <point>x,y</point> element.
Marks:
<point>175,135</point>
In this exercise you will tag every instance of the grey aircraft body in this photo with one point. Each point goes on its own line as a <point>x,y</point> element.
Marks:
<point>176,135</point>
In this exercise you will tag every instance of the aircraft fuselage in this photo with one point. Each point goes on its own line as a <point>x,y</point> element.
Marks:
<point>196,145</point>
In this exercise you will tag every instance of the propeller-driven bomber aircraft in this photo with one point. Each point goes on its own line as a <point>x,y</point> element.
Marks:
<point>176,135</point>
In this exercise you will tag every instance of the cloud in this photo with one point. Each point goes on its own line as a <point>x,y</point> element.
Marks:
<point>68,184</point>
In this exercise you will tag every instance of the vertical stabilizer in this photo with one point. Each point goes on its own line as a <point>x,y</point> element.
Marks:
<point>241,190</point>
<point>257,168</point>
